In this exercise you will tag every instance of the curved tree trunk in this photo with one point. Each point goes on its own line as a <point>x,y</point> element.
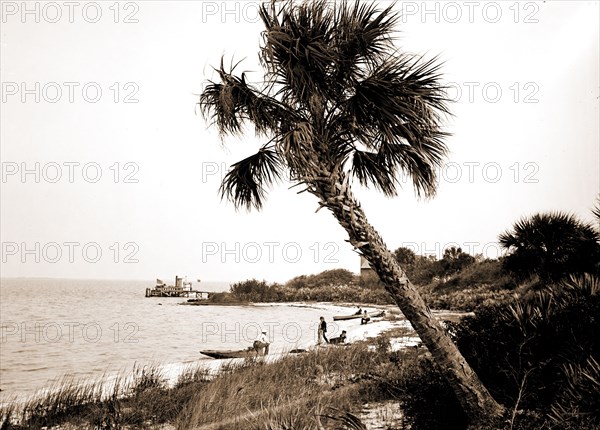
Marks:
<point>473,396</point>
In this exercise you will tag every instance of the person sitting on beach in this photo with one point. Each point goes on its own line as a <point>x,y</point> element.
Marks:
<point>359,311</point>
<point>261,344</point>
<point>340,339</point>
<point>365,318</point>
<point>321,331</point>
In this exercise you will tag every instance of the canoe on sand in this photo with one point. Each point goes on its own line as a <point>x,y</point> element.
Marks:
<point>351,317</point>
<point>240,353</point>
<point>345,317</point>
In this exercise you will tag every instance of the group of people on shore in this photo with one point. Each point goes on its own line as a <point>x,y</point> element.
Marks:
<point>322,334</point>
<point>322,329</point>
<point>261,344</point>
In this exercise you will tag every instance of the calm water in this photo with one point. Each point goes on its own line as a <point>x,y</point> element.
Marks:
<point>51,328</point>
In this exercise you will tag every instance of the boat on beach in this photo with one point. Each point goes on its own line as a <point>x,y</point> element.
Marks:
<point>356,316</point>
<point>240,353</point>
<point>345,317</point>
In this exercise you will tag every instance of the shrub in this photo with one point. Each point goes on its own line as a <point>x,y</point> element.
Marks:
<point>455,260</point>
<point>428,401</point>
<point>327,278</point>
<point>520,349</point>
<point>222,298</point>
<point>465,299</point>
<point>255,291</point>
<point>577,406</point>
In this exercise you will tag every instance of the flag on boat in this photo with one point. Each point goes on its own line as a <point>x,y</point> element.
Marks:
<point>159,282</point>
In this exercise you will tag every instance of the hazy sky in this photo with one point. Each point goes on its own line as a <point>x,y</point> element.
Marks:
<point>108,172</point>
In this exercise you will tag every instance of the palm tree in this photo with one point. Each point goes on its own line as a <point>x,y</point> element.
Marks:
<point>340,101</point>
<point>455,260</point>
<point>551,246</point>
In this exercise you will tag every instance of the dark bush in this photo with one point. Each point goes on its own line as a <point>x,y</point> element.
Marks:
<point>520,349</point>
<point>222,298</point>
<point>577,406</point>
<point>428,401</point>
<point>455,260</point>
<point>332,277</point>
<point>253,290</point>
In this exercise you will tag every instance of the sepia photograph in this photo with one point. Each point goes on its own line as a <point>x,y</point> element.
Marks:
<point>300,215</point>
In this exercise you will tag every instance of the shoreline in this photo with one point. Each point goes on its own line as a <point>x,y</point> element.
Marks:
<point>124,385</point>
<point>171,371</point>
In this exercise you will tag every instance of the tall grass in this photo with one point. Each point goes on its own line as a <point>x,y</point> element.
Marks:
<point>253,392</point>
<point>137,399</point>
<point>290,393</point>
<point>256,392</point>
<point>66,398</point>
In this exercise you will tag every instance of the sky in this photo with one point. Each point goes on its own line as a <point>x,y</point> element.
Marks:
<point>109,172</point>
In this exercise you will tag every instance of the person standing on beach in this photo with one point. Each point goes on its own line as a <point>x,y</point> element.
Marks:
<point>321,332</point>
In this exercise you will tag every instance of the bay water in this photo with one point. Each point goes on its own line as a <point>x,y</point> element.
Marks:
<point>52,328</point>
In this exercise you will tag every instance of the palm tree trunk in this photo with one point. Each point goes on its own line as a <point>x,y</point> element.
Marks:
<point>475,399</point>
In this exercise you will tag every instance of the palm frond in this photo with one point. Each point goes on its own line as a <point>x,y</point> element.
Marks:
<point>401,99</point>
<point>420,162</point>
<point>232,101</point>
<point>296,48</point>
<point>369,169</point>
<point>363,36</point>
<point>552,231</point>
<point>585,285</point>
<point>245,184</point>
<point>321,47</point>
<point>346,419</point>
<point>579,401</point>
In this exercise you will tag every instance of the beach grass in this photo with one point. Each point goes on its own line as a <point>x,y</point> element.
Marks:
<point>132,399</point>
<point>315,389</point>
<point>291,390</point>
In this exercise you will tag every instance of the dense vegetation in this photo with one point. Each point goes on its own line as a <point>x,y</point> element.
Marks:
<point>537,257</point>
<point>538,353</point>
<point>458,281</point>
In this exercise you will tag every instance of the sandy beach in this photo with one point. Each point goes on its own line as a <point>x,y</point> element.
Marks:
<point>392,319</point>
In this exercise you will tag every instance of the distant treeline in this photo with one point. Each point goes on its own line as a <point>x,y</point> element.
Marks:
<point>457,281</point>
<point>541,251</point>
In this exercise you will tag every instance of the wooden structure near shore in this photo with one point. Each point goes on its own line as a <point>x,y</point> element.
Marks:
<point>180,289</point>
<point>366,272</point>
